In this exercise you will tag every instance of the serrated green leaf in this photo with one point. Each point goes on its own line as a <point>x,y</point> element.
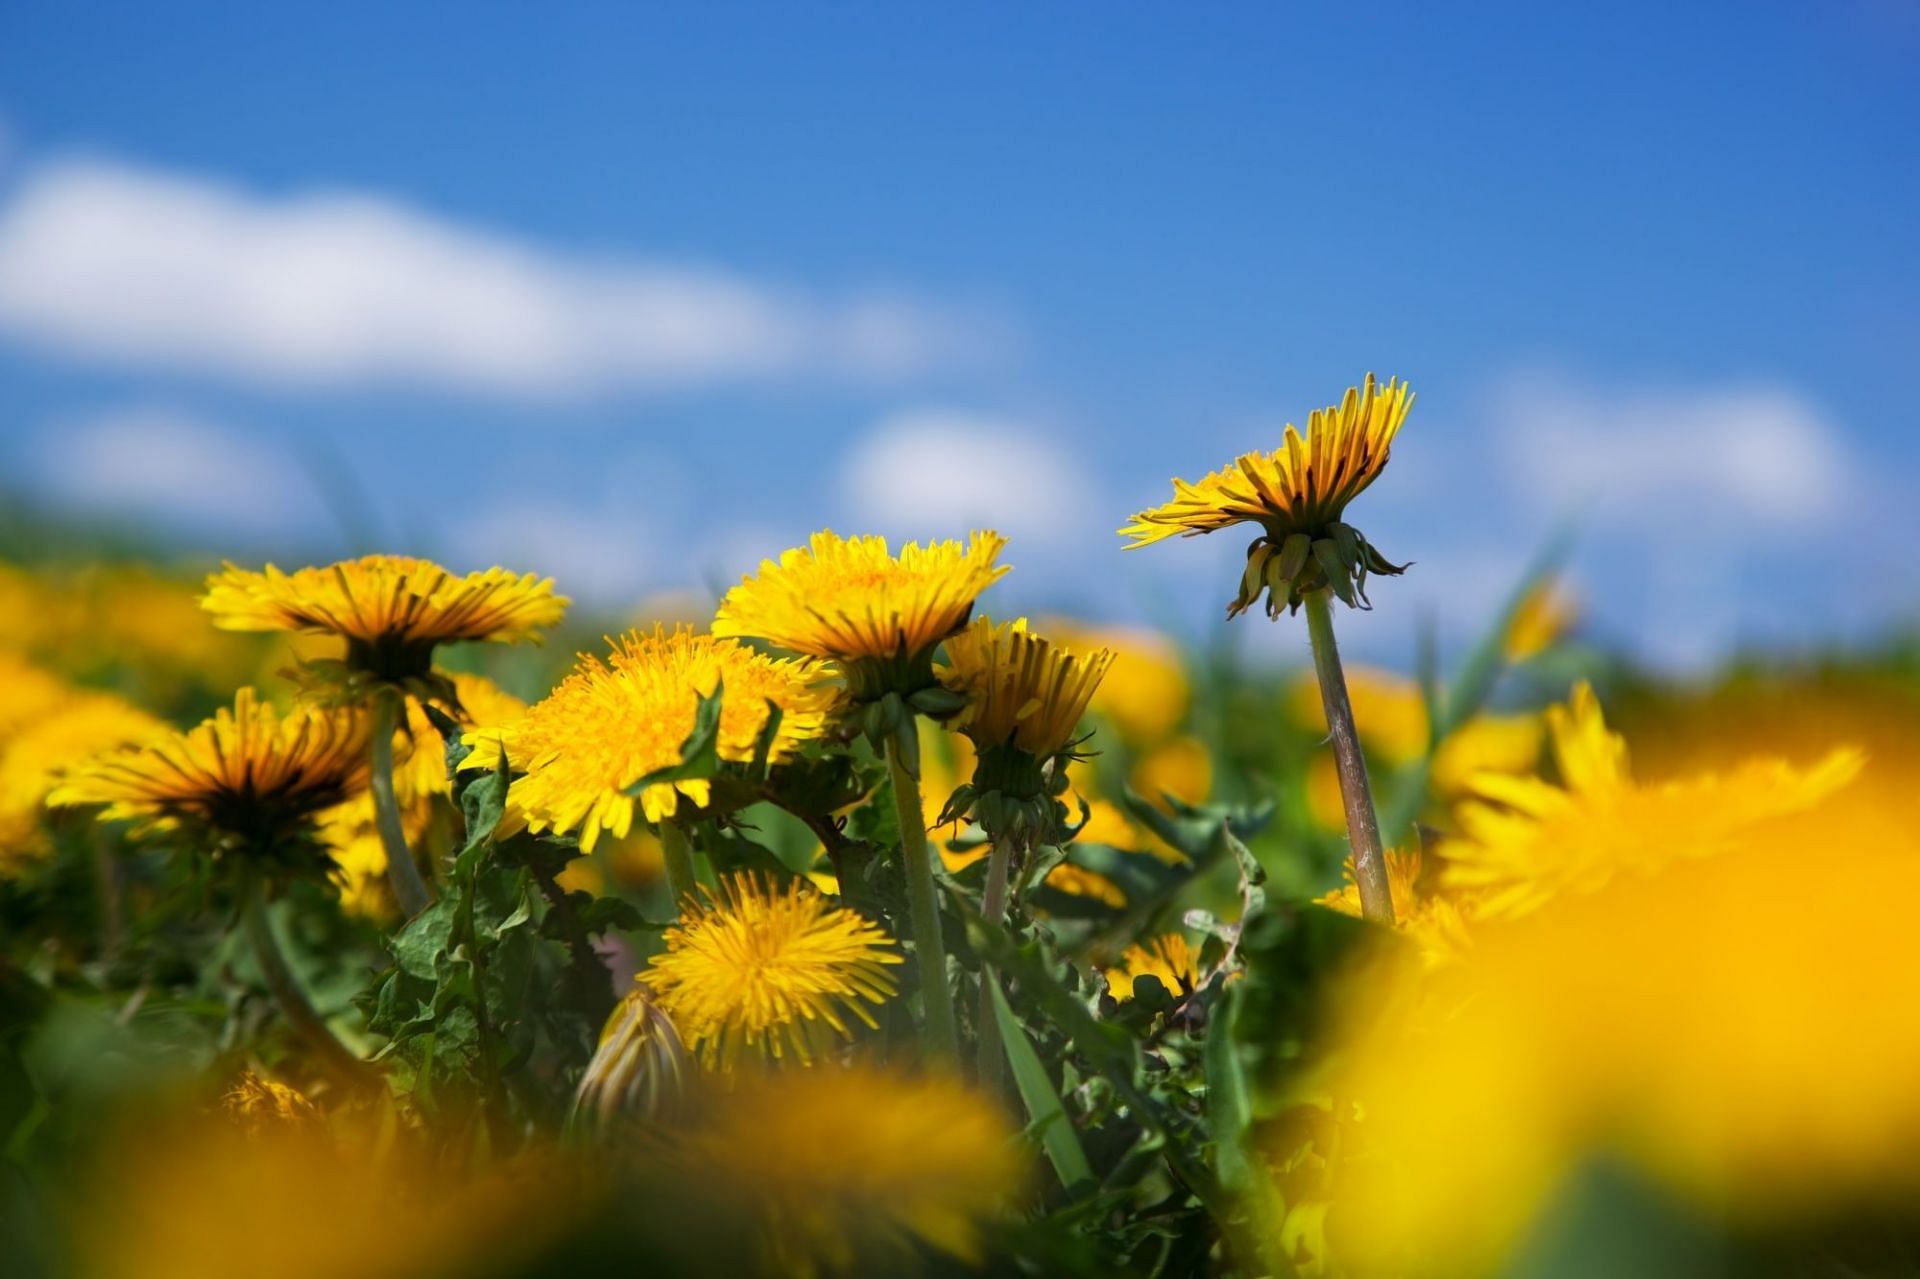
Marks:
<point>699,753</point>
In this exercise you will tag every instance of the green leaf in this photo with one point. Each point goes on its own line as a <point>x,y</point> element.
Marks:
<point>769,733</point>
<point>483,803</point>
<point>1047,1116</point>
<point>418,946</point>
<point>699,754</point>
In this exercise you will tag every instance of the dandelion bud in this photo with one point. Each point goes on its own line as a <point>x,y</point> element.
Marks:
<point>639,1070</point>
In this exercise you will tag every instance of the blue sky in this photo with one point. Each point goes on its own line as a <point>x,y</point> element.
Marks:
<point>635,295</point>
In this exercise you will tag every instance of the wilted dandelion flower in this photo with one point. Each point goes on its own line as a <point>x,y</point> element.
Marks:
<point>250,778</point>
<point>853,601</point>
<point>1297,495</point>
<point>855,1170</point>
<point>1168,957</point>
<point>391,609</point>
<point>1524,840</point>
<point>769,973</point>
<point>585,747</point>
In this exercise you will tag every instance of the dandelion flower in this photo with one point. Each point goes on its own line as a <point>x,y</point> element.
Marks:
<point>853,601</point>
<point>851,1171</point>
<point>250,778</point>
<point>391,609</point>
<point>1524,840</point>
<point>609,724</point>
<point>769,973</point>
<point>1022,690</point>
<point>1145,693</point>
<point>260,1105</point>
<point>1168,957</point>
<point>1297,494</point>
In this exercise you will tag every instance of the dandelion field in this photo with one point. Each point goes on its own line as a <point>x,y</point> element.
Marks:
<point>375,919</point>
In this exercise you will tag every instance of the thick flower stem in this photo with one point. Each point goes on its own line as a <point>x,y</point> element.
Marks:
<point>677,853</point>
<point>409,890</point>
<point>940,1032</point>
<point>993,908</point>
<point>1363,826</point>
<point>285,989</point>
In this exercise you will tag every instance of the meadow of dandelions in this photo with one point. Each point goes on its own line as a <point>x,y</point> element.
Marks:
<point>377,919</point>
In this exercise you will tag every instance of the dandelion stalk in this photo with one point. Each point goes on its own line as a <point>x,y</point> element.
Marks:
<point>285,988</point>
<point>409,890</point>
<point>1356,793</point>
<point>940,1032</point>
<point>677,852</point>
<point>993,908</point>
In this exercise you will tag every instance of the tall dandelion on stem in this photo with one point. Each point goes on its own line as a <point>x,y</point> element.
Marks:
<point>1025,697</point>
<point>245,787</point>
<point>1306,554</point>
<point>881,617</point>
<point>392,611</point>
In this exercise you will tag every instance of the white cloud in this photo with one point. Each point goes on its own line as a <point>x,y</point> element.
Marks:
<point>156,269</point>
<point>164,463</point>
<point>938,472</point>
<point>1760,458</point>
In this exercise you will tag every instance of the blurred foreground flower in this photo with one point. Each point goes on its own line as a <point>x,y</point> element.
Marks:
<point>765,973</point>
<point>857,1170</point>
<point>1524,841</point>
<point>1741,1029</point>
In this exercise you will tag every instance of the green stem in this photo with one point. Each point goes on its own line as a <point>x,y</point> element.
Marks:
<point>285,989</point>
<point>677,853</point>
<point>409,890</point>
<point>993,908</point>
<point>940,1031</point>
<point>1363,826</point>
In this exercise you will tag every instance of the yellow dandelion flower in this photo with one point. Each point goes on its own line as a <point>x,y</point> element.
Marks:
<point>1523,840</point>
<point>769,973</point>
<point>1168,957</point>
<point>852,600</point>
<point>27,694</point>
<point>1022,689</point>
<point>250,776</point>
<point>1297,495</point>
<point>1421,911</point>
<point>34,760</point>
<point>391,609</point>
<point>849,1169</point>
<point>610,723</point>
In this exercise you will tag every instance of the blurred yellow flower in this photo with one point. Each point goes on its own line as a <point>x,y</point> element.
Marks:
<point>1741,1028</point>
<point>1022,689</point>
<point>1145,693</point>
<point>768,973</point>
<point>1388,711</point>
<point>249,774</point>
<point>1182,768</point>
<point>391,609</point>
<point>1523,840</point>
<point>1168,957</point>
<point>851,600</point>
<point>35,759</point>
<point>1297,495</point>
<point>1081,882</point>
<point>609,724</point>
<point>848,1169</point>
<point>260,1105</point>
<point>27,694</point>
